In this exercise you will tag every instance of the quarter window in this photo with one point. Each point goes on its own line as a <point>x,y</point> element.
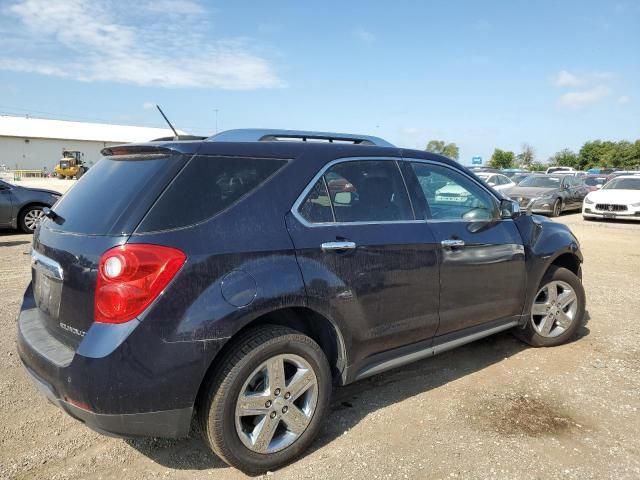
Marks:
<point>316,207</point>
<point>206,186</point>
<point>450,195</point>
<point>359,191</point>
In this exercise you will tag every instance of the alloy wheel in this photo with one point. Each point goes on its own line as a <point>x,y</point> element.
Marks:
<point>276,403</point>
<point>32,218</point>
<point>554,309</point>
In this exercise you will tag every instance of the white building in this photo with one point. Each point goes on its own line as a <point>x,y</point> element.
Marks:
<point>36,143</point>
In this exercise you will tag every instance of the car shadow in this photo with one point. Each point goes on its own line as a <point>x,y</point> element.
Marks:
<point>11,238</point>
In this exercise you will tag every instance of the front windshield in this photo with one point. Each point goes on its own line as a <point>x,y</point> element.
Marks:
<point>541,182</point>
<point>623,184</point>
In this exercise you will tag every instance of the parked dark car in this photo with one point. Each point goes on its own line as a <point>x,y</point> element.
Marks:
<point>21,207</point>
<point>550,194</point>
<point>226,279</point>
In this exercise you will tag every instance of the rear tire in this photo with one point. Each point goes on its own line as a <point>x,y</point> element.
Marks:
<point>289,409</point>
<point>555,318</point>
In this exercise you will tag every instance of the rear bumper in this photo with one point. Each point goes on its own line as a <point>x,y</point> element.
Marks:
<point>167,423</point>
<point>122,380</point>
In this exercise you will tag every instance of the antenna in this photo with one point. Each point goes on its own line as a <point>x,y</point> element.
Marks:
<point>177,137</point>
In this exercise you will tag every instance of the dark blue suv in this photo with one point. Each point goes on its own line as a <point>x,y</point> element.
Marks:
<point>240,277</point>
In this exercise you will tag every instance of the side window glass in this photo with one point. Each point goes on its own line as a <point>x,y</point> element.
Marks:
<point>316,207</point>
<point>368,191</point>
<point>453,196</point>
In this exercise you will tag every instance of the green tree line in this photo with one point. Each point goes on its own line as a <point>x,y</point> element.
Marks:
<point>596,153</point>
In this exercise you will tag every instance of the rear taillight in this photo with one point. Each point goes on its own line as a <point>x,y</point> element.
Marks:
<point>130,277</point>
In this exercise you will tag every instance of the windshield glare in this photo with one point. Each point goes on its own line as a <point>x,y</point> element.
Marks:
<point>623,184</point>
<point>541,182</point>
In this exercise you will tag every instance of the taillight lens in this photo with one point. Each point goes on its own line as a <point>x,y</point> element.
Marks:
<point>130,277</point>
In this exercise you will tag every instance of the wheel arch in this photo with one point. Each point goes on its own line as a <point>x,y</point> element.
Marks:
<point>568,260</point>
<point>303,319</point>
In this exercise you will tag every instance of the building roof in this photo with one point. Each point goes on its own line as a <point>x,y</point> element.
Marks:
<point>27,127</point>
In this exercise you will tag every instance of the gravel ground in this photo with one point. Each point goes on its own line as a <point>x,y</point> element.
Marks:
<point>492,409</point>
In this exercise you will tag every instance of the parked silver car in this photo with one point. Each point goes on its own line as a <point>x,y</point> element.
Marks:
<point>21,207</point>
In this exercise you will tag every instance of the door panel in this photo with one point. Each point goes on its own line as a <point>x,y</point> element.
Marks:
<point>385,289</point>
<point>6,208</point>
<point>482,268</point>
<point>378,271</point>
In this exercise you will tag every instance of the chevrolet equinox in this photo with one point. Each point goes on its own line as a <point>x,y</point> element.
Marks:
<point>236,279</point>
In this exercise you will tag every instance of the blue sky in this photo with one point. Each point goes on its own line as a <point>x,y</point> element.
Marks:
<point>482,74</point>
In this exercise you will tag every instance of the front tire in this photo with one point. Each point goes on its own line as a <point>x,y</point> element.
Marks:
<point>29,218</point>
<point>268,400</point>
<point>557,208</point>
<point>557,312</point>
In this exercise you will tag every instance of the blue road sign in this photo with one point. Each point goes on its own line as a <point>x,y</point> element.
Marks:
<point>477,160</point>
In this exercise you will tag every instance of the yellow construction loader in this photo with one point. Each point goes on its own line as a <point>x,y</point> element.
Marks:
<point>71,165</point>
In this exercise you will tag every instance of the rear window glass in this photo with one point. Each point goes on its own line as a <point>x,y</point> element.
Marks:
<point>113,195</point>
<point>206,186</point>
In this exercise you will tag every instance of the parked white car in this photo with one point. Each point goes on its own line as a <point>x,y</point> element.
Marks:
<point>497,181</point>
<point>618,198</point>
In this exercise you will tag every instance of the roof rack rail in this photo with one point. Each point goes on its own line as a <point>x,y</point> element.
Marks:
<point>270,135</point>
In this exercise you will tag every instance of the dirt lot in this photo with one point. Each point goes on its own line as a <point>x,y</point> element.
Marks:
<point>493,409</point>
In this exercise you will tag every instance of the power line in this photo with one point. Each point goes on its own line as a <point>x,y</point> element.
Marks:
<point>19,112</point>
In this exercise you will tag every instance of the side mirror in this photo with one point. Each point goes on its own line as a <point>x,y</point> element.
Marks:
<point>509,209</point>
<point>342,198</point>
<point>491,184</point>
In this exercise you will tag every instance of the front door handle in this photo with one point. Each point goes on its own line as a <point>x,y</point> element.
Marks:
<point>338,246</point>
<point>452,243</point>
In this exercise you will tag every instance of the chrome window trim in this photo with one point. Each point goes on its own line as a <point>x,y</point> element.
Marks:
<point>296,206</point>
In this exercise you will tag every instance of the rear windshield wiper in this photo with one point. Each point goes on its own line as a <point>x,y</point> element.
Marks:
<point>52,215</point>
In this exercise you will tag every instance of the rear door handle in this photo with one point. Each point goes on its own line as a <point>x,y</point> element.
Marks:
<point>337,246</point>
<point>452,243</point>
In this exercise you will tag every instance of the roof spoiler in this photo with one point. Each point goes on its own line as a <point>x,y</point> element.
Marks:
<point>135,150</point>
<point>269,135</point>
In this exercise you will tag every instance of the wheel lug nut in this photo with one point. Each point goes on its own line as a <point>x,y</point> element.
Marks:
<point>268,404</point>
<point>287,396</point>
<point>277,392</point>
<point>284,409</point>
<point>273,415</point>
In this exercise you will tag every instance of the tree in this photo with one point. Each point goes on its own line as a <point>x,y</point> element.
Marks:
<point>450,150</point>
<point>564,158</point>
<point>502,159</point>
<point>527,156</point>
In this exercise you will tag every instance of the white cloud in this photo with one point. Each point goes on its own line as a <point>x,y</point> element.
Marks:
<point>583,98</point>
<point>566,79</point>
<point>145,43</point>
<point>364,36</point>
<point>624,99</point>
<point>148,105</point>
